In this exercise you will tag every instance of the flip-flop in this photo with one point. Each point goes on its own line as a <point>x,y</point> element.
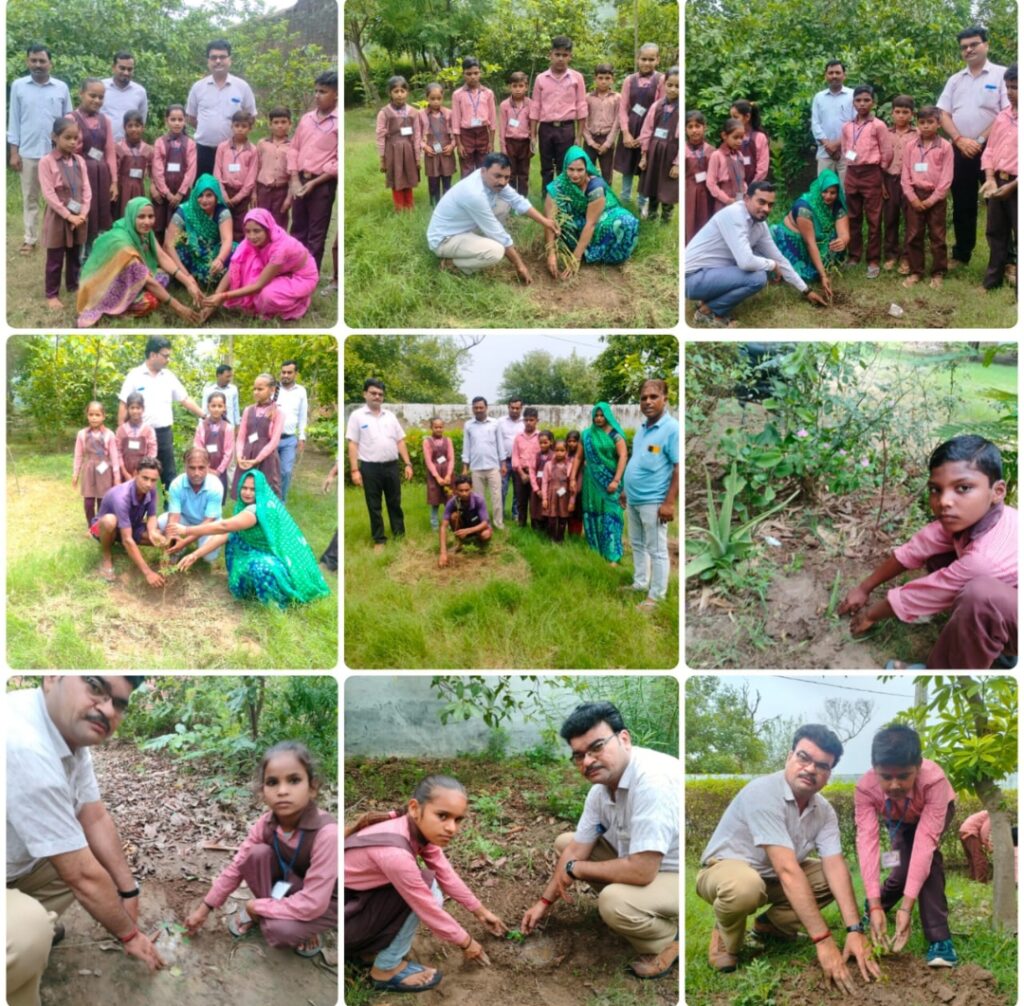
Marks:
<point>242,917</point>
<point>394,983</point>
<point>108,574</point>
<point>26,249</point>
<point>891,666</point>
<point>311,953</point>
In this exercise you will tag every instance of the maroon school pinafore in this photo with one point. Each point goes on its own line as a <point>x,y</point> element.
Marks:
<point>537,498</point>
<point>655,182</point>
<point>697,201</point>
<point>556,476</point>
<point>131,174</point>
<point>127,435</point>
<point>627,159</point>
<point>270,466</point>
<point>94,151</point>
<point>436,131</point>
<point>57,232</point>
<point>442,454</point>
<point>176,149</point>
<point>401,159</point>
<point>91,483</point>
<point>213,441</point>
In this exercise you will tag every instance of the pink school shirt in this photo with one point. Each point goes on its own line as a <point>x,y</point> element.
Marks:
<point>314,146</point>
<point>276,426</point>
<point>409,116</point>
<point>525,447</point>
<point>899,141</point>
<point>109,442</point>
<point>939,176</point>
<point>273,160</point>
<point>469,105</point>
<point>979,825</point>
<point>928,804</point>
<point>143,150</point>
<point>433,448</point>
<point>160,163</point>
<point>221,463</point>
<point>992,554</point>
<point>870,140</point>
<point>724,167</point>
<point>242,182</point>
<point>1000,153</point>
<point>642,82</point>
<point>559,99</point>
<point>109,153</point>
<point>317,886</point>
<point>602,118</point>
<point>651,120</point>
<point>762,153</point>
<point>49,177</point>
<point>427,117</point>
<point>519,113</point>
<point>366,869</point>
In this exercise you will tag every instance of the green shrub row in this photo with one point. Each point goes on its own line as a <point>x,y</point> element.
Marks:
<point>707,799</point>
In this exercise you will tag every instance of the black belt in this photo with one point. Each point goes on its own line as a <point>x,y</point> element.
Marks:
<point>559,124</point>
<point>1005,176</point>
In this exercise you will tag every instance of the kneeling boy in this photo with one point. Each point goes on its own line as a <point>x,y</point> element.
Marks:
<point>466,513</point>
<point>970,551</point>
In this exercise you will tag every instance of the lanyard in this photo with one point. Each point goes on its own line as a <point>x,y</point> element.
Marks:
<point>667,112</point>
<point>857,132</point>
<point>698,152</point>
<point>475,104</point>
<point>894,826</point>
<point>285,870</point>
<point>737,170</point>
<point>433,128</point>
<point>71,178</point>
<point>925,150</point>
<point>515,111</point>
<point>327,119</point>
<point>97,444</point>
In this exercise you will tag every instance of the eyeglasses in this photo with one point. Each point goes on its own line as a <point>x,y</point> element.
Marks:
<point>967,46</point>
<point>806,761</point>
<point>217,59</point>
<point>100,690</point>
<point>578,757</point>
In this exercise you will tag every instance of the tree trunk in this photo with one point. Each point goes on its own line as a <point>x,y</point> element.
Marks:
<point>1004,883</point>
<point>369,88</point>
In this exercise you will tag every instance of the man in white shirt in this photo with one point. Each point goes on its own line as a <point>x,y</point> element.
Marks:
<point>292,401</point>
<point>482,457</point>
<point>509,426</point>
<point>230,391</point>
<point>466,229</point>
<point>830,109</point>
<point>732,256</point>
<point>626,844</point>
<point>375,441</point>
<point>62,844</point>
<point>122,94</point>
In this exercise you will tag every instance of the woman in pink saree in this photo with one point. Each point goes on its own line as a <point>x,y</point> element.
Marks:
<point>271,274</point>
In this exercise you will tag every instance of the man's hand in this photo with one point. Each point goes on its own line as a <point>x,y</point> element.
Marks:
<point>493,924</point>
<point>880,929</point>
<point>155,579</point>
<point>131,906</point>
<point>860,622</point>
<point>189,561</point>
<point>532,917</point>
<point>826,286</point>
<point>475,952</point>
<point>857,947</point>
<point>903,925</point>
<point>831,962</point>
<point>442,561</point>
<point>667,512</point>
<point>357,478</point>
<point>853,601</point>
<point>141,946</point>
<point>197,919</point>
<point>967,146</point>
<point>15,161</point>
<point>816,298</point>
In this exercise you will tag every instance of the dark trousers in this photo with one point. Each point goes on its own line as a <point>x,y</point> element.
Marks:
<point>556,527</point>
<point>893,210</point>
<point>330,556</point>
<point>522,489</point>
<point>967,176</point>
<point>383,478</point>
<point>977,861</point>
<point>603,161</point>
<point>311,216</point>
<point>437,186</point>
<point>931,902</point>
<point>932,220</point>
<point>552,143</point>
<point>205,156</point>
<point>1001,233</point>
<point>165,454</point>
<point>981,626</point>
<point>272,197</point>
<point>864,199</point>
<point>519,154</point>
<point>511,475</point>
<point>56,259</point>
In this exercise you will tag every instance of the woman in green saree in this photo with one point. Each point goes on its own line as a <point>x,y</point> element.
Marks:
<point>199,235</point>
<point>267,556</point>
<point>604,461</point>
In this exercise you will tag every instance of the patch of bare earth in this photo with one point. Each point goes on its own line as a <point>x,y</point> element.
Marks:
<point>417,561</point>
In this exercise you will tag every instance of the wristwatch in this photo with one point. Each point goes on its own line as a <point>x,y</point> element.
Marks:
<point>129,894</point>
<point>568,868</point>
<point>859,928</point>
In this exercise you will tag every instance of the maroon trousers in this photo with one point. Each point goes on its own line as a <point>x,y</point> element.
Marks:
<point>864,199</point>
<point>893,211</point>
<point>476,145</point>
<point>311,216</point>
<point>932,220</point>
<point>272,197</point>
<point>55,260</point>
<point>518,151</point>
<point>977,861</point>
<point>1001,233</point>
<point>931,902</point>
<point>603,161</point>
<point>983,624</point>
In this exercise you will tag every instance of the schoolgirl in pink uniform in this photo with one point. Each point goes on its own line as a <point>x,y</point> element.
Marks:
<point>438,143</point>
<point>97,461</point>
<point>439,460</point>
<point>697,199</point>
<point>174,169</point>
<point>135,440</point>
<point>754,150</point>
<point>259,433</point>
<point>96,146</point>
<point>134,161</point>
<point>725,167</point>
<point>659,151</point>
<point>217,437</point>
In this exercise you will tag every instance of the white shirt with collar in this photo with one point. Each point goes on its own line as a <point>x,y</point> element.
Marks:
<point>119,100</point>
<point>212,107</point>
<point>643,816</point>
<point>158,390</point>
<point>375,433</point>
<point>509,428</point>
<point>47,786</point>
<point>470,206</point>
<point>974,101</point>
<point>295,405</point>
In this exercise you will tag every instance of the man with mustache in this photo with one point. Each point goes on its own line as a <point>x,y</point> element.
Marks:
<point>62,844</point>
<point>758,856</point>
<point>626,844</point>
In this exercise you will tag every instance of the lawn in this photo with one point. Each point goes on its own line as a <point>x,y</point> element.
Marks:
<point>27,308</point>
<point>61,614</point>
<point>788,974</point>
<point>527,603</point>
<point>392,279</point>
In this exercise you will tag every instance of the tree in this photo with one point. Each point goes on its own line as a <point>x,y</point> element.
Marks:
<point>629,360</point>
<point>414,368</point>
<point>541,379</point>
<point>975,742</point>
<point>776,735</point>
<point>360,18</point>
<point>720,730</point>
<point>847,719</point>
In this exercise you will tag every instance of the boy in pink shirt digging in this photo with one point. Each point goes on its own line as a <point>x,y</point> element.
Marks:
<point>970,552</point>
<point>915,801</point>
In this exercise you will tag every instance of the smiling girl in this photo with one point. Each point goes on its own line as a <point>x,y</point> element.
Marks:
<point>387,894</point>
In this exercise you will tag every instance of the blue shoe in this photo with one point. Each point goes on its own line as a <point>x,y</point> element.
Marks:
<point>942,955</point>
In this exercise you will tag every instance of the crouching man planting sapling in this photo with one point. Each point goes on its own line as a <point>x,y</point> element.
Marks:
<point>970,552</point>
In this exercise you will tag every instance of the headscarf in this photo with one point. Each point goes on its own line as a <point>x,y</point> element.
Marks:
<point>571,197</point>
<point>280,247</point>
<point>606,409</point>
<point>123,240</point>
<point>824,215</point>
<point>198,226</point>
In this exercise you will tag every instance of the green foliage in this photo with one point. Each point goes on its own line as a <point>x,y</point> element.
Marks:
<point>629,360</point>
<point>540,377</point>
<point>414,368</point>
<point>720,732</point>
<point>496,700</point>
<point>757,984</point>
<point>649,708</point>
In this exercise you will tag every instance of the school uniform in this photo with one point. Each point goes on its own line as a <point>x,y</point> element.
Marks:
<point>558,495</point>
<point>525,447</point>
<point>236,169</point>
<point>272,179</point>
<point>538,518</point>
<point>473,114</point>
<point>638,93</point>
<point>135,443</point>
<point>258,437</point>
<point>557,103</point>
<point>601,127</point>
<point>97,462</point>
<point>867,150</point>
<point>1000,155</point>
<point>895,207</point>
<point>436,130</point>
<point>439,458</point>
<point>174,173</point>
<point>399,135</point>
<point>218,440</point>
<point>64,183</point>
<point>96,146</point>
<point>756,156</point>
<point>725,177</point>
<point>133,165</point>
<point>659,142</point>
<point>697,201</point>
<point>927,175</point>
<point>514,140</point>
<point>314,153</point>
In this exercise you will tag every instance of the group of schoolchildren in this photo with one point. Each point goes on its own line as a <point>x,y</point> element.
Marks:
<point>634,131</point>
<point>898,175</point>
<point>87,180</point>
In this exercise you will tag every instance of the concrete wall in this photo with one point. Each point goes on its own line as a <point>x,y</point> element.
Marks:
<point>391,716</point>
<point>571,416</point>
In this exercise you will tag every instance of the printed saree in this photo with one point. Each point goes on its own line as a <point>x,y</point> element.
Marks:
<point>602,514</point>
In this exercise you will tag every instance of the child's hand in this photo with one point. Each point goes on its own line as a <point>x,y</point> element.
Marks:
<point>885,193</point>
<point>853,601</point>
<point>442,561</point>
<point>113,192</point>
<point>382,168</point>
<point>673,172</point>
<point>197,919</point>
<point>74,481</point>
<point>533,146</point>
<point>643,163</point>
<point>860,623</point>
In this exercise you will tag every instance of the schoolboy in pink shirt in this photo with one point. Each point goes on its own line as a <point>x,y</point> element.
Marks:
<point>272,177</point>
<point>894,205</point>
<point>474,118</point>
<point>236,166</point>
<point>601,129</point>
<point>970,551</point>
<point>514,131</point>
<point>915,801</point>
<point>926,179</point>
<point>558,109</point>
<point>525,448</point>
<point>999,162</point>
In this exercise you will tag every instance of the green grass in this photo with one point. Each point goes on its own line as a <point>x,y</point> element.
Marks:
<point>26,305</point>
<point>392,279</point>
<point>528,602</point>
<point>969,919</point>
<point>60,614</point>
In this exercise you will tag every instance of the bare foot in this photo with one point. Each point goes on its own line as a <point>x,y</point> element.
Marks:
<point>911,280</point>
<point>54,304</point>
<point>421,978</point>
<point>107,572</point>
<point>936,283</point>
<point>889,264</point>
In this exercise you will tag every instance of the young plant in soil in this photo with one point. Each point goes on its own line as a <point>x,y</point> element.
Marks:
<point>515,936</point>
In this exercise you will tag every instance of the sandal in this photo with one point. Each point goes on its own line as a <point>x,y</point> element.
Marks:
<point>311,951</point>
<point>236,922</point>
<point>394,983</point>
<point>647,604</point>
<point>891,666</point>
<point>26,249</point>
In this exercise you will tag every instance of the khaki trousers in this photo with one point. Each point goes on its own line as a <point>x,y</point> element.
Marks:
<point>646,916</point>
<point>735,890</point>
<point>471,251</point>
<point>490,478</point>
<point>30,193</point>
<point>33,905</point>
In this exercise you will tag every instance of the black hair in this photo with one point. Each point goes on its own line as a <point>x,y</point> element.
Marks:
<point>730,126</point>
<point>39,47</point>
<point>135,680</point>
<point>929,112</point>
<point>373,382</point>
<point>149,463</point>
<point>479,398</point>
<point>975,29</point>
<point>434,85</point>
<point>672,71</point>
<point>514,398</point>
<point>1011,72</point>
<point>279,112</point>
<point>548,434</point>
<point>896,744</point>
<point>89,80</point>
<point>329,78</point>
<point>424,791</point>
<point>61,124</point>
<point>459,479</point>
<point>517,77</point>
<point>659,382</point>
<point>530,412</point>
<point>123,54</point>
<point>649,45</point>
<point>587,716</point>
<point>573,435</point>
<point>155,344</point>
<point>174,108</point>
<point>218,43</point>
<point>469,62</point>
<point>133,116</point>
<point>397,81</point>
<point>903,101</point>
<point>981,453</point>
<point>835,62</point>
<point>823,737</point>
<point>750,108</point>
<point>289,363</point>
<point>495,157</point>
<point>241,116</point>
<point>301,752</point>
<point>95,401</point>
<point>695,116</point>
<point>864,89</point>
<point>217,394</point>
<point>562,42</point>
<point>761,185</point>
<point>134,398</point>
<point>224,368</point>
<point>196,450</point>
<point>604,68</point>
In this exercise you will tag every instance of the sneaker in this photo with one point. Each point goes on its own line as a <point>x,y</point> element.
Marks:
<point>941,954</point>
<point>873,272</point>
<point>645,211</point>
